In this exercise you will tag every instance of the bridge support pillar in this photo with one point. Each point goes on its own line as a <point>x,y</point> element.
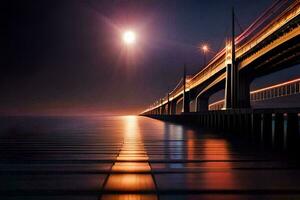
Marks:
<point>186,102</point>
<point>201,104</point>
<point>173,107</point>
<point>243,94</point>
<point>186,94</point>
<point>277,130</point>
<point>237,91</point>
<point>266,129</point>
<point>227,103</point>
<point>163,109</point>
<point>291,131</point>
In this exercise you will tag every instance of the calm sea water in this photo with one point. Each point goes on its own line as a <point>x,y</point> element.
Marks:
<point>131,157</point>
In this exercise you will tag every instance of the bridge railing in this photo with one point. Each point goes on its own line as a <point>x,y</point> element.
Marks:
<point>279,90</point>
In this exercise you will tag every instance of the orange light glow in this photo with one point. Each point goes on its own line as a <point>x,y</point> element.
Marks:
<point>130,182</point>
<point>131,158</point>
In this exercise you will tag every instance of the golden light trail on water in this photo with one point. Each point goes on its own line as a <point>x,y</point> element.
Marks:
<point>132,171</point>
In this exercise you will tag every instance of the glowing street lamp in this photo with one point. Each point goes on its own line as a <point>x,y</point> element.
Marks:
<point>204,49</point>
<point>129,37</point>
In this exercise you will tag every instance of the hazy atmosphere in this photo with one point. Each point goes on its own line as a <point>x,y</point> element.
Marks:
<point>67,57</point>
<point>150,100</point>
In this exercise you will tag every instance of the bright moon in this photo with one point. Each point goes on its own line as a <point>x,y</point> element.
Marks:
<point>129,37</point>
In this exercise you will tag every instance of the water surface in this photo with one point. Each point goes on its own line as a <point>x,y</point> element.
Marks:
<point>131,157</point>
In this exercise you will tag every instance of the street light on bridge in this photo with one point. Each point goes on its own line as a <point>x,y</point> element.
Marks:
<point>204,49</point>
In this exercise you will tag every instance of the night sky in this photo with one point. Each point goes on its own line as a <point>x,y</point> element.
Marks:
<point>67,57</point>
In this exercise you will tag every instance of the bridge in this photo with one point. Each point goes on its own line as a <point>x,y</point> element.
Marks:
<point>286,88</point>
<point>271,43</point>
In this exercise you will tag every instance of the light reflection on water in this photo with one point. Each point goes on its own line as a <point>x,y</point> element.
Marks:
<point>175,143</point>
<point>132,155</point>
<point>131,161</point>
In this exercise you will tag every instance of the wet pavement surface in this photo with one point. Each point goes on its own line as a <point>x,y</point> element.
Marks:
<point>136,158</point>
